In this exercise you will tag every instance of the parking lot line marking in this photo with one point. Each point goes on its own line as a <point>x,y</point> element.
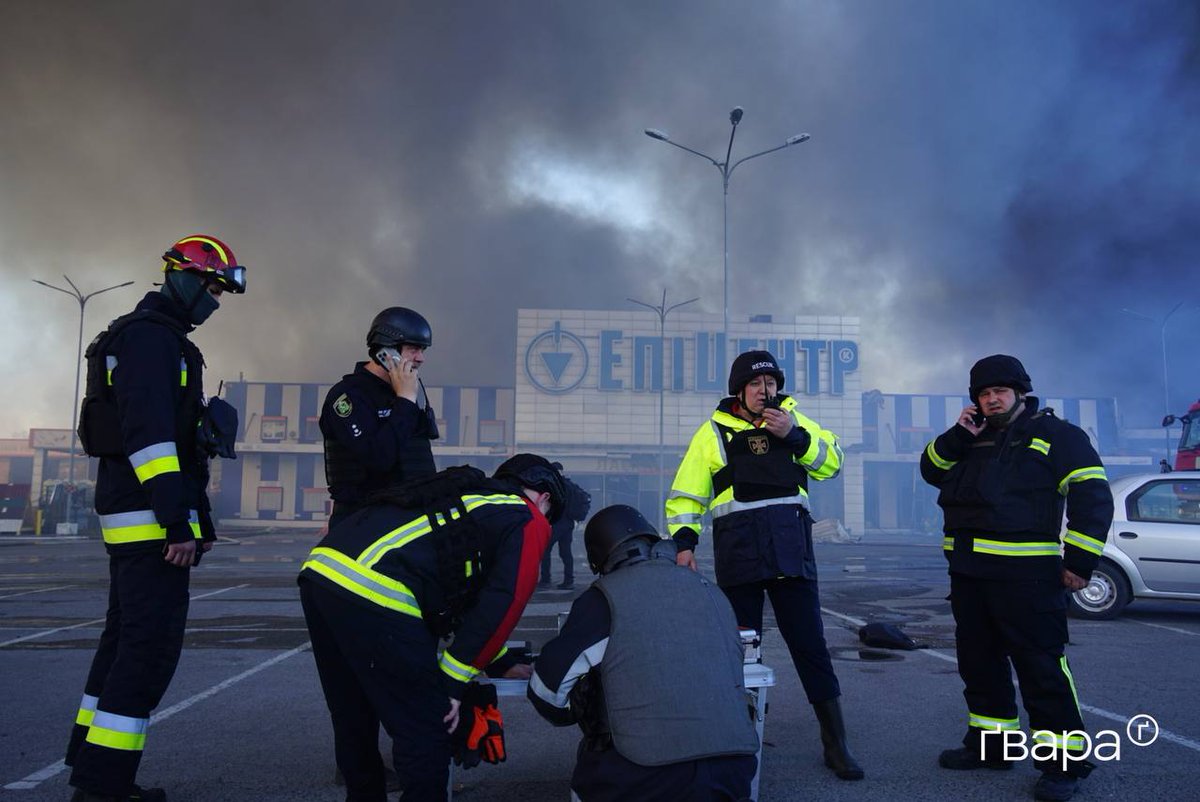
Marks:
<point>41,775</point>
<point>39,590</point>
<point>1098,711</point>
<point>46,632</point>
<point>1158,626</point>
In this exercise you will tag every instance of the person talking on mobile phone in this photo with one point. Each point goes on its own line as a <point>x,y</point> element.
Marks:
<point>377,422</point>
<point>1006,472</point>
<point>749,466</point>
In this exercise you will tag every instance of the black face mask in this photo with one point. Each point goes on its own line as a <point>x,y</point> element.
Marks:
<point>190,291</point>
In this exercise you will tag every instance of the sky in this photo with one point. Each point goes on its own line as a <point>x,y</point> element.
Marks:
<point>982,177</point>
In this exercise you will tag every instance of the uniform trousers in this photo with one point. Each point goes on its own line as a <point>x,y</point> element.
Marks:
<point>608,777</point>
<point>379,667</point>
<point>561,536</point>
<point>134,663</point>
<point>1001,626</point>
<point>797,607</point>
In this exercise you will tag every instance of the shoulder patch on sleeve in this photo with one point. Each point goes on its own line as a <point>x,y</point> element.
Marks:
<point>342,406</point>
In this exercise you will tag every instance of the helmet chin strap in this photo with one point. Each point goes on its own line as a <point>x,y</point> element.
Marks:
<point>1001,419</point>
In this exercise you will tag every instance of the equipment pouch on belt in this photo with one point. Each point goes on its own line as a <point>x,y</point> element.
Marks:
<point>479,735</point>
<point>218,429</point>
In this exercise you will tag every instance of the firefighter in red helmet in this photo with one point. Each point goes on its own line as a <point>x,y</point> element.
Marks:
<point>145,416</point>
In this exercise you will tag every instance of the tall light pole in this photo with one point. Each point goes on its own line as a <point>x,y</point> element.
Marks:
<point>662,310</point>
<point>82,300</point>
<point>726,169</point>
<point>1162,333</point>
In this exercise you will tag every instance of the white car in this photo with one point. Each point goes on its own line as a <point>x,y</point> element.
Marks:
<point>1153,548</point>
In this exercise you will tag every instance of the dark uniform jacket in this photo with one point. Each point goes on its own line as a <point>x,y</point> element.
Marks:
<point>156,492</point>
<point>1003,495</point>
<point>373,439</point>
<point>386,557</point>
<point>755,485</point>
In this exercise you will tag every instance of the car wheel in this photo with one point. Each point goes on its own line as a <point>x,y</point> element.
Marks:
<point>1105,596</point>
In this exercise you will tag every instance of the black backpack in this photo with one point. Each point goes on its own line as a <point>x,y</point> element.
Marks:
<point>99,424</point>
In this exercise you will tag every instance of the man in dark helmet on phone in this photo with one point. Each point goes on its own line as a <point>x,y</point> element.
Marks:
<point>1005,472</point>
<point>377,422</point>
<point>663,707</point>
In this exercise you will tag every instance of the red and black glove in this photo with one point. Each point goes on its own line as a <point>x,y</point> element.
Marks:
<point>480,732</point>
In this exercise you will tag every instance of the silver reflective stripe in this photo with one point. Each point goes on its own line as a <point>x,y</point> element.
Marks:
<point>587,660</point>
<point>118,520</point>
<point>152,453</point>
<point>729,507</point>
<point>125,724</point>
<point>822,454</point>
<point>720,441</point>
<point>687,518</point>
<point>681,494</point>
<point>89,702</point>
<point>363,581</point>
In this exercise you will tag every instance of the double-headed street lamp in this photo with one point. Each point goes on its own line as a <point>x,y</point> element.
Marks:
<point>726,170</point>
<point>82,300</point>
<point>662,310</point>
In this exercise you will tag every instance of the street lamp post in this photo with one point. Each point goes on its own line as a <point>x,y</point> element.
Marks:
<point>662,310</point>
<point>1162,334</point>
<point>82,300</point>
<point>726,170</point>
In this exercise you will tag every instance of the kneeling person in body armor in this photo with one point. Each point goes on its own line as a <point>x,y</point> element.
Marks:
<point>456,553</point>
<point>663,709</point>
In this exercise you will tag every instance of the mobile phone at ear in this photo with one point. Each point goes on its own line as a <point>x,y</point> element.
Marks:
<point>978,418</point>
<point>381,356</point>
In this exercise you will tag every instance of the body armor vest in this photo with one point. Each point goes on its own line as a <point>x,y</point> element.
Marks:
<point>673,693</point>
<point>760,466</point>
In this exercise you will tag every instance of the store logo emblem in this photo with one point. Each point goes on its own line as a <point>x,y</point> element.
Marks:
<point>556,361</point>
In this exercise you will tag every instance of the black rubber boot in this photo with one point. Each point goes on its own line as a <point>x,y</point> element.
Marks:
<point>965,759</point>
<point>1055,786</point>
<point>833,739</point>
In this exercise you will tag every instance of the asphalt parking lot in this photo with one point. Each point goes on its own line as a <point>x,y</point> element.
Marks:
<point>244,718</point>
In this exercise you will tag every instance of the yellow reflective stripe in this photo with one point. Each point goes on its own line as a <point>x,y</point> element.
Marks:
<point>140,525</point>
<point>402,535</point>
<point>947,543</point>
<point>157,467</point>
<point>936,458</point>
<point>1072,742</point>
<point>362,581</point>
<point>154,460</point>
<point>182,372</point>
<point>110,364</point>
<point>467,569</point>
<point>1082,475</point>
<point>118,732</point>
<point>1010,549</point>
<point>1066,669</point>
<point>87,710</point>
<point>503,651</point>
<point>990,723</point>
<point>1080,540</point>
<point>216,246</point>
<point>1038,444</point>
<point>456,669</point>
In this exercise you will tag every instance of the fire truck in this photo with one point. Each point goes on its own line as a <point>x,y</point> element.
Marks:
<point>1187,453</point>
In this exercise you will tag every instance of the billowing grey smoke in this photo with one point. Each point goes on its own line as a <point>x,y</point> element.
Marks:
<point>981,178</point>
